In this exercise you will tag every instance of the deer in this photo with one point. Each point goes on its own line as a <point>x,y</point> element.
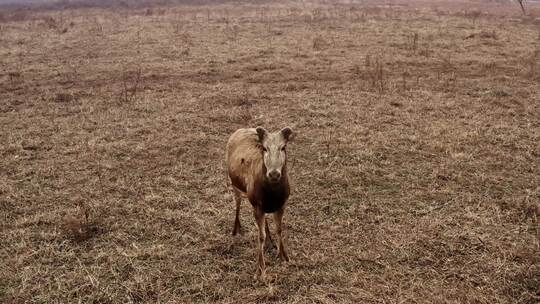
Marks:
<point>257,168</point>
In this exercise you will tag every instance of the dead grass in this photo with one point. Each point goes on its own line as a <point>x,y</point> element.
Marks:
<point>416,166</point>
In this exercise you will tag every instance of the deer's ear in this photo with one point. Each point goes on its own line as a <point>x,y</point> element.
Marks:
<point>287,134</point>
<point>262,133</point>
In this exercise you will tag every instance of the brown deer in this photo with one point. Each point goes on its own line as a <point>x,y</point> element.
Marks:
<point>257,168</point>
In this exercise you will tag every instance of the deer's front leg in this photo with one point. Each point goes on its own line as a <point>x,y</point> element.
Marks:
<point>260,221</point>
<point>269,243</point>
<point>282,252</point>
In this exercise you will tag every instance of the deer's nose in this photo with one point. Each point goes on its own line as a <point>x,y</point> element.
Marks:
<point>274,175</point>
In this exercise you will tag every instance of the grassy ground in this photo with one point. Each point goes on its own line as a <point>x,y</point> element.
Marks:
<point>416,165</point>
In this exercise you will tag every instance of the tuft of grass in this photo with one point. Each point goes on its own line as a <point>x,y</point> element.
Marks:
<point>82,226</point>
<point>319,43</point>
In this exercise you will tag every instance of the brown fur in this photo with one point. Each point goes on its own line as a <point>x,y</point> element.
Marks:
<point>244,158</point>
<point>247,173</point>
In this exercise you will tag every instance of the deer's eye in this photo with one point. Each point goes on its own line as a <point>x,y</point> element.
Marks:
<point>264,149</point>
<point>283,148</point>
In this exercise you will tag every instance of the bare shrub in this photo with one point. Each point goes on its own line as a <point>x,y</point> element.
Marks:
<point>376,75</point>
<point>412,42</point>
<point>372,73</point>
<point>130,85</point>
<point>522,6</point>
<point>319,43</point>
<point>185,39</point>
<point>50,22</point>
<point>532,65</point>
<point>56,24</point>
<point>231,32</point>
<point>63,97</point>
<point>483,34</point>
<point>13,76</point>
<point>447,72</point>
<point>317,15</point>
<point>474,15</point>
<point>82,226</point>
<point>17,75</point>
<point>15,15</point>
<point>404,77</point>
<point>96,26</point>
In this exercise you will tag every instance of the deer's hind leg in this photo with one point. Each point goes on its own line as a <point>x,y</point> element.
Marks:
<point>238,200</point>
<point>269,243</point>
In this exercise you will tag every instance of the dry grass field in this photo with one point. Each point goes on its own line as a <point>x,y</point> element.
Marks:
<point>415,169</point>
